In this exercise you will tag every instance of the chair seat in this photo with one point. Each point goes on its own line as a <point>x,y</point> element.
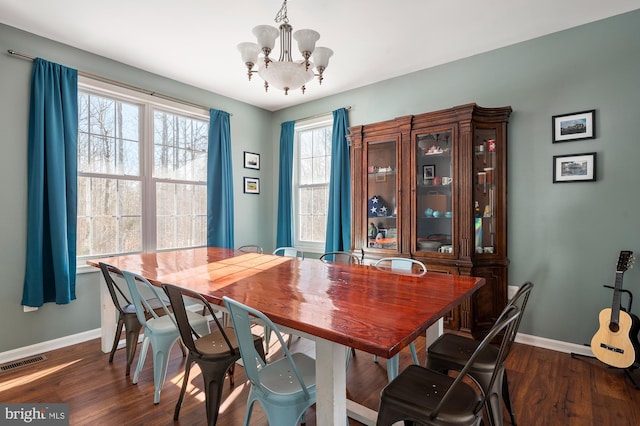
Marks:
<point>214,344</point>
<point>452,349</point>
<point>272,374</point>
<point>417,390</point>
<point>166,325</point>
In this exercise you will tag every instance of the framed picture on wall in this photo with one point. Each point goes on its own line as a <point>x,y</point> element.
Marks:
<point>574,168</point>
<point>251,185</point>
<point>575,126</point>
<point>251,160</point>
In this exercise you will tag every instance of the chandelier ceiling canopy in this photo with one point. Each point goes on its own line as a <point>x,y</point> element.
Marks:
<point>285,74</point>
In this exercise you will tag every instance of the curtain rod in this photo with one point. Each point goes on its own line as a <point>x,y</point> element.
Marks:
<point>348,108</point>
<point>122,84</point>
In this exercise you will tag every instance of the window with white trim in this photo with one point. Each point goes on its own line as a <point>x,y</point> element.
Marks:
<point>312,170</point>
<point>141,172</point>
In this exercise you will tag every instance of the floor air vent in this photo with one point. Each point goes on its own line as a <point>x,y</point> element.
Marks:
<point>20,363</point>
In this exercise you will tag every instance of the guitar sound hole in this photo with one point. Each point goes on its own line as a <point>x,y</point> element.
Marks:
<point>614,327</point>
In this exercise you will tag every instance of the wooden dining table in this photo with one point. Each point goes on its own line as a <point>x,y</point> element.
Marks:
<point>339,306</point>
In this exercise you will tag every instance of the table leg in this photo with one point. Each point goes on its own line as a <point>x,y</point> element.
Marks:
<point>107,317</point>
<point>331,383</point>
<point>434,332</point>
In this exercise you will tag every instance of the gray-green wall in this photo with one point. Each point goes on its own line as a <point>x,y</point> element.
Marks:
<point>563,237</point>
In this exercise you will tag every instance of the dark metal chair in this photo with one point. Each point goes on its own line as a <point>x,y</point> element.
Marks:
<point>428,397</point>
<point>452,352</point>
<point>215,353</point>
<point>340,257</point>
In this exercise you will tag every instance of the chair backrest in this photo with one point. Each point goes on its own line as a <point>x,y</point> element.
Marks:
<point>251,248</point>
<point>120,300</point>
<point>289,252</point>
<point>141,303</point>
<point>187,333</point>
<point>506,323</point>
<point>242,317</point>
<point>402,265</point>
<point>339,257</point>
<point>520,300</point>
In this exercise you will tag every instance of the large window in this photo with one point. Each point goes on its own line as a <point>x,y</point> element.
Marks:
<point>312,169</point>
<point>141,173</point>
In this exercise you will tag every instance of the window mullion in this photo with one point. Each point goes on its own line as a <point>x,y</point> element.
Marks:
<point>149,218</point>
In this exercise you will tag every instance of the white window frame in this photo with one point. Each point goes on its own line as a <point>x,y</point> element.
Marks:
<point>305,125</point>
<point>148,105</point>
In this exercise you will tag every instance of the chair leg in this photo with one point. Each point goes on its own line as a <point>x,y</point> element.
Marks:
<point>141,358</point>
<point>182,348</point>
<point>160,362</point>
<point>414,353</point>
<point>393,364</point>
<point>507,398</point>
<point>132,327</point>
<point>213,376</point>
<point>116,338</point>
<point>185,380</point>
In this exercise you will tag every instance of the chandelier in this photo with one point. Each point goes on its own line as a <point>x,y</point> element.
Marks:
<point>285,74</point>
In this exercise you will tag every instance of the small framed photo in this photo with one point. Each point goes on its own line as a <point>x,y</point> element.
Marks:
<point>251,160</point>
<point>428,172</point>
<point>251,185</point>
<point>573,127</point>
<point>574,168</point>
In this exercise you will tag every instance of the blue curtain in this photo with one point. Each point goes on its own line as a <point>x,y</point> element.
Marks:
<point>284,237</point>
<point>339,215</point>
<point>219,182</point>
<point>52,171</point>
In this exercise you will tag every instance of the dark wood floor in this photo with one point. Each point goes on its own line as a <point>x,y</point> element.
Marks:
<point>548,388</point>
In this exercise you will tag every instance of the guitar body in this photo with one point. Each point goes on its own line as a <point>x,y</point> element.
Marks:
<point>615,348</point>
<point>616,341</point>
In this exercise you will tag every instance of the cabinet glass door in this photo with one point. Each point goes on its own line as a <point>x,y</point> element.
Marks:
<point>382,190</point>
<point>484,191</point>
<point>434,193</point>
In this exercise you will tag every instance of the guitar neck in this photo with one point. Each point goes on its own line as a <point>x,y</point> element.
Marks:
<point>615,305</point>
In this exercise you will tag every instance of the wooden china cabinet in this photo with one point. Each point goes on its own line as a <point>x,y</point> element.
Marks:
<point>433,187</point>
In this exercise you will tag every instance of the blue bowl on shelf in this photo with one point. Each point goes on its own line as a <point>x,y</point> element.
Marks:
<point>448,214</point>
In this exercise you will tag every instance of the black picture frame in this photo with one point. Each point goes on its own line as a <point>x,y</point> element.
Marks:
<point>251,185</point>
<point>428,172</point>
<point>575,126</point>
<point>251,160</point>
<point>575,167</point>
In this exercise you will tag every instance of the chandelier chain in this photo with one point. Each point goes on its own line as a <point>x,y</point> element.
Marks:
<point>281,16</point>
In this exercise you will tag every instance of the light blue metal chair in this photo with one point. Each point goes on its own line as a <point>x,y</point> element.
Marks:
<point>160,331</point>
<point>285,388</point>
<point>251,248</point>
<point>401,265</point>
<point>289,252</point>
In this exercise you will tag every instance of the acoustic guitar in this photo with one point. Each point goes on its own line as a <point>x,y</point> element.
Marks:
<point>616,341</point>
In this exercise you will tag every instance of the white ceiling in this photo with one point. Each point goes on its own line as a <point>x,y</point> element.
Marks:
<point>194,41</point>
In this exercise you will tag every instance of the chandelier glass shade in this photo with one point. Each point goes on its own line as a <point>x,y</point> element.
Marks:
<point>285,73</point>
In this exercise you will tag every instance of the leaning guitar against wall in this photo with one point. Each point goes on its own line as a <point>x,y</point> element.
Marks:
<point>616,341</point>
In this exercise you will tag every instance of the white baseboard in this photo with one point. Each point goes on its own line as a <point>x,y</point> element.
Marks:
<point>48,346</point>
<point>555,345</point>
<point>38,348</point>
